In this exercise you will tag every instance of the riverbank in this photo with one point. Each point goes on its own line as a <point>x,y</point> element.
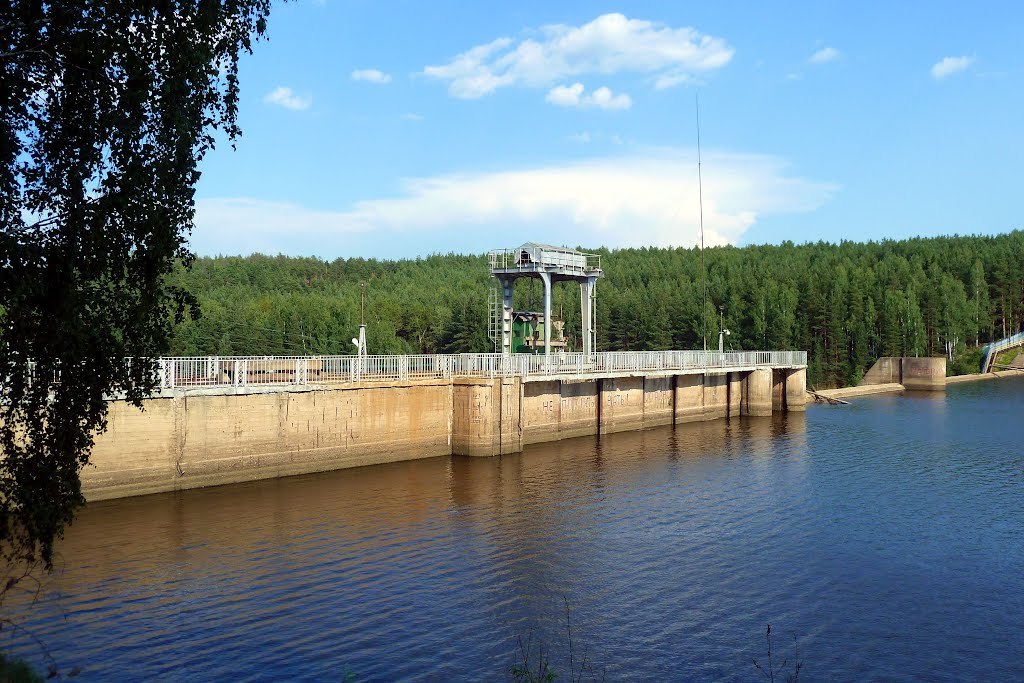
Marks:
<point>892,387</point>
<point>977,377</point>
<point>865,390</point>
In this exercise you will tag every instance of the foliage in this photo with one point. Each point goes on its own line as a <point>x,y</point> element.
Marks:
<point>14,670</point>
<point>106,110</point>
<point>966,363</point>
<point>846,304</point>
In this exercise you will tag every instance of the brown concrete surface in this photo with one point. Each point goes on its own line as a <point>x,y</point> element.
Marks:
<point>924,374</point>
<point>690,398</point>
<point>796,390</point>
<point>758,393</point>
<point>778,390</point>
<point>716,396</point>
<point>193,440</point>
<point>918,374</point>
<point>578,409</point>
<point>188,442</point>
<point>541,411</point>
<point>622,404</point>
<point>658,401</point>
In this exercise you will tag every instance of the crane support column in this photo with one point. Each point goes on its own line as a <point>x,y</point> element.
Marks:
<point>507,287</point>
<point>546,279</point>
<point>589,331</point>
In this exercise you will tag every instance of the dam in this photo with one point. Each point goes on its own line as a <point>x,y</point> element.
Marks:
<point>218,420</point>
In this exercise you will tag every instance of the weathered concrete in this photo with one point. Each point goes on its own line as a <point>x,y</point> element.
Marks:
<point>486,416</point>
<point>919,374</point>
<point>622,404</point>
<point>796,390</point>
<point>924,374</point>
<point>578,409</point>
<point>757,393</point>
<point>716,396</point>
<point>195,440</point>
<point>689,399</point>
<point>735,393</point>
<point>658,401</point>
<point>541,411</point>
<point>778,390</point>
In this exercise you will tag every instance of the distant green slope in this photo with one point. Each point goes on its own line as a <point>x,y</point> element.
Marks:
<point>846,304</point>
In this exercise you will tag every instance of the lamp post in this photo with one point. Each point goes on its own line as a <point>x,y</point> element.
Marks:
<point>722,331</point>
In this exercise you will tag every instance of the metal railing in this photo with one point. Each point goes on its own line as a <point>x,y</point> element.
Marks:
<point>1001,345</point>
<point>509,259</point>
<point>246,371</point>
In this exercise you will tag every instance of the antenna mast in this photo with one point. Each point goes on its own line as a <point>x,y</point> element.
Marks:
<point>703,269</point>
<point>362,303</point>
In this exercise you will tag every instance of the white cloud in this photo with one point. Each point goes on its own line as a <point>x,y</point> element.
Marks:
<point>411,116</point>
<point>636,200</point>
<point>574,96</point>
<point>611,43</point>
<point>825,54</point>
<point>371,76</point>
<point>284,97</point>
<point>948,66</point>
<point>582,137</point>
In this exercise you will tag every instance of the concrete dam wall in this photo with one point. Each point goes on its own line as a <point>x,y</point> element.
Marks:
<point>915,374</point>
<point>204,439</point>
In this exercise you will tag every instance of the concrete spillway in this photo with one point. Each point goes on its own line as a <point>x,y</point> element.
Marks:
<point>220,436</point>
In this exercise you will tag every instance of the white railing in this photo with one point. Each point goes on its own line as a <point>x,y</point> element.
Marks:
<point>1001,345</point>
<point>246,371</point>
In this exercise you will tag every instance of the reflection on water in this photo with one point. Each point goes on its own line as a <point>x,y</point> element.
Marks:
<point>887,534</point>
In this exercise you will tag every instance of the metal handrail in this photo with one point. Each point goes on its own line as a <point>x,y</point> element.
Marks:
<point>247,371</point>
<point>1000,345</point>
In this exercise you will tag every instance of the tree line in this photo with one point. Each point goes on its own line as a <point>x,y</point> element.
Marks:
<point>845,304</point>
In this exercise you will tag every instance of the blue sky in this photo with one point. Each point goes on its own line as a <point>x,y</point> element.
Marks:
<point>397,129</point>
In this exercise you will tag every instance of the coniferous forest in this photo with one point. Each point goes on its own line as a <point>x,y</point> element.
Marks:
<point>845,304</point>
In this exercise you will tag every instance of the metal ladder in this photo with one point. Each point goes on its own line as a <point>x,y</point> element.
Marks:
<point>495,310</point>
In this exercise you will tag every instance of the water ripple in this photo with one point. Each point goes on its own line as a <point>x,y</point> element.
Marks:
<point>888,536</point>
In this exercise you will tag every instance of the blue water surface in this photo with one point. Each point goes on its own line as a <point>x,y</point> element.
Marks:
<point>885,538</point>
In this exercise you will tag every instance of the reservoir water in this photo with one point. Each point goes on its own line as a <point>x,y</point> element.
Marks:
<point>887,536</point>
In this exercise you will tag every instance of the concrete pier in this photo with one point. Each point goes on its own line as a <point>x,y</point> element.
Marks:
<point>915,374</point>
<point>201,439</point>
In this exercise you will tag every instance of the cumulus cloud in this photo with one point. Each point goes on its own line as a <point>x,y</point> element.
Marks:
<point>825,54</point>
<point>948,66</point>
<point>611,43</point>
<point>284,97</point>
<point>574,96</point>
<point>636,200</point>
<point>371,76</point>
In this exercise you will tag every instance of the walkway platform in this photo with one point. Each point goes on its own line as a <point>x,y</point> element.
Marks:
<point>281,372</point>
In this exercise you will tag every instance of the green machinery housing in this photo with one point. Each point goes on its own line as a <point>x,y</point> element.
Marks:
<point>528,333</point>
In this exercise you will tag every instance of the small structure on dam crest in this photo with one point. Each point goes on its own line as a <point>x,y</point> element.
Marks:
<point>550,265</point>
